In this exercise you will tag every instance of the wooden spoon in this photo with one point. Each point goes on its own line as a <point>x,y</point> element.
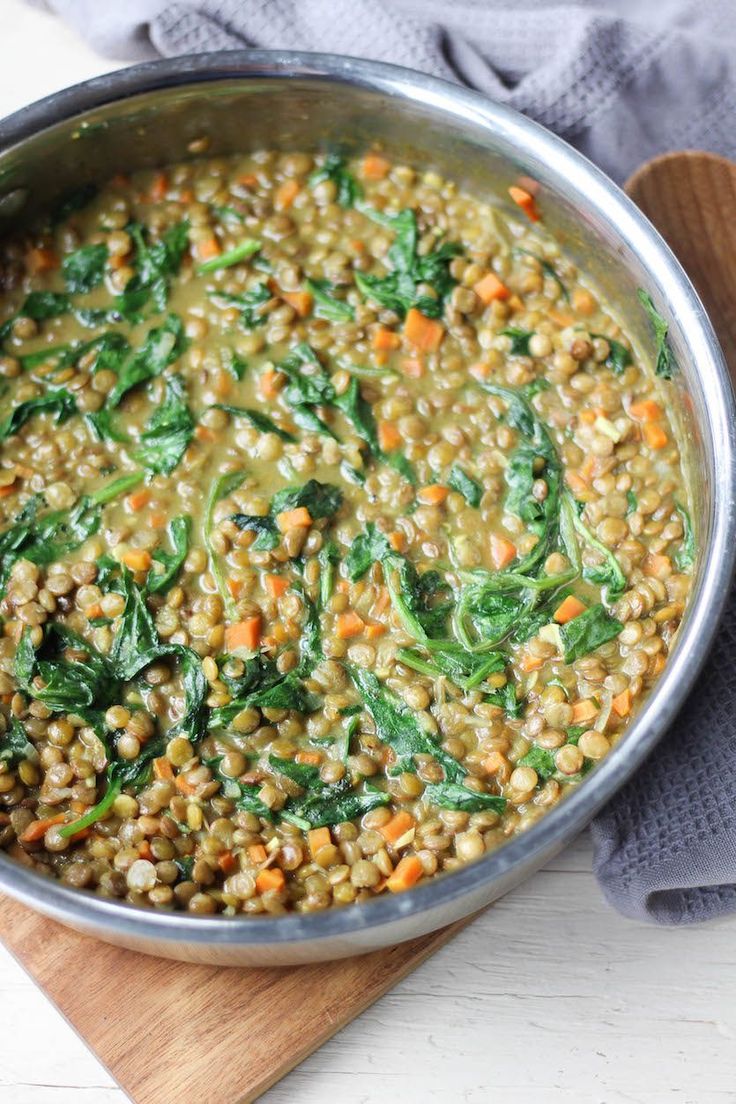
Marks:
<point>691,199</point>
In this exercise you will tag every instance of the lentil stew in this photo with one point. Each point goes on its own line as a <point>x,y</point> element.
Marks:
<point>343,531</point>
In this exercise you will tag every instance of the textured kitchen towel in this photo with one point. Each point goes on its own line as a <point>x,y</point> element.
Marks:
<point>622,81</point>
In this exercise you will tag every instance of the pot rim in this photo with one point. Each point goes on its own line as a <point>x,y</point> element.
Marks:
<point>593,189</point>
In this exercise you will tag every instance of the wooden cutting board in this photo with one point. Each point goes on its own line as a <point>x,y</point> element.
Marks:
<point>171,1032</point>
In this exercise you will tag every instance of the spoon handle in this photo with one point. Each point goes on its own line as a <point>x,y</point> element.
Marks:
<point>691,199</point>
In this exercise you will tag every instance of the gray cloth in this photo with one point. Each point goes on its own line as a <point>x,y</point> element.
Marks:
<point>622,81</point>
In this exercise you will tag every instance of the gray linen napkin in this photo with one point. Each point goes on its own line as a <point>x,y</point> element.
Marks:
<point>622,81</point>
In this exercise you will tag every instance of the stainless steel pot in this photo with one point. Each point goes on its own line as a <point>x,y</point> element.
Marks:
<point>147,116</point>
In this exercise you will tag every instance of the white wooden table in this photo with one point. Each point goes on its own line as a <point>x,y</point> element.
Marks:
<point>548,998</point>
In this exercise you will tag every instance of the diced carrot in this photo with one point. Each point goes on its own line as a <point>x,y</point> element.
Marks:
<point>397,540</point>
<point>310,758</point>
<point>526,201</point>
<point>276,585</point>
<point>422,332</point>
<point>270,880</point>
<point>257,853</point>
<point>357,245</point>
<point>479,370</point>
<point>234,586</point>
<point>270,383</point>
<point>384,340</point>
<point>399,824</point>
<point>489,287</point>
<point>407,873</point>
<point>138,499</point>
<point>530,662</point>
<point>587,417</point>
<point>144,850</point>
<point>301,301</point>
<point>583,302</point>
<point>286,193</point>
<point>41,260</point>
<point>389,437</point>
<point>157,519</point>
<point>372,632</point>
<point>159,187</point>
<point>116,261</point>
<point>317,839</point>
<point>82,834</point>
<point>621,704</point>
<point>226,862</point>
<point>244,634</point>
<point>646,410</point>
<point>162,769</point>
<point>184,786</point>
<point>208,248</point>
<point>383,601</point>
<point>560,317</point>
<point>349,624</point>
<point>583,710</point>
<point>293,519</point>
<point>434,494</point>
<point>502,551</point>
<point>568,609</point>
<point>37,829</point>
<point>413,367</point>
<point>587,469</point>
<point>93,611</point>
<point>8,489</point>
<point>137,559</point>
<point>657,566</point>
<point>654,435</point>
<point>374,167</point>
<point>186,195</point>
<point>248,180</point>
<point>204,433</point>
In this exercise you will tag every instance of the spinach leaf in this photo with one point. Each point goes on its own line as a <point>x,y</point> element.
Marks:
<point>328,558</point>
<point>62,683</point>
<point>61,402</point>
<point>684,557</point>
<point>15,745</point>
<point>358,411</point>
<point>333,805</point>
<point>453,795</point>
<point>260,421</point>
<point>84,269</point>
<point>160,582</point>
<point>541,760</point>
<point>137,644</point>
<point>368,547</point>
<point>72,202</point>
<point>238,253</point>
<point>220,488</point>
<point>464,484</point>
<point>162,346</point>
<point>665,360</point>
<point>133,773</point>
<point>618,357</point>
<point>169,431</point>
<point>327,306</point>
<point>519,340</point>
<point>41,305</point>
<point>549,269</point>
<point>250,304</point>
<point>54,535</point>
<point>236,366</point>
<point>244,795</point>
<point>155,264</point>
<point>321,499</point>
<point>587,632</point>
<point>397,726</point>
<point>334,168</point>
<point>466,669</point>
<point>632,503</point>
<point>103,424</point>
<point>309,387</point>
<point>609,573</point>
<point>268,533</point>
<point>505,698</point>
<point>399,290</point>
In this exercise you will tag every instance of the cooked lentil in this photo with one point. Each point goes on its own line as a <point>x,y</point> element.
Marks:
<point>344,533</point>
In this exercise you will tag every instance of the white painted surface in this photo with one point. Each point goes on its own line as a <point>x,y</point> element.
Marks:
<point>547,998</point>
